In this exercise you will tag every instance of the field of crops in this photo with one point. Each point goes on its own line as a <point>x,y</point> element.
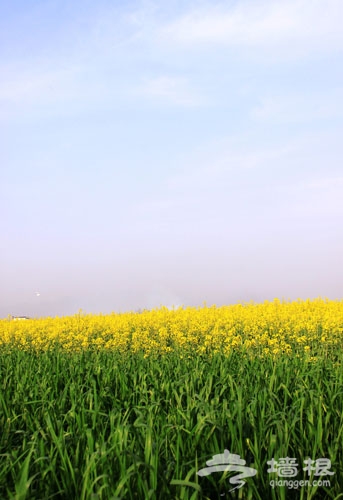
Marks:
<point>132,406</point>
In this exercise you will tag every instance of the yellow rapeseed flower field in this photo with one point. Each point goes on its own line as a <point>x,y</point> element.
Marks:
<point>133,405</point>
<point>276,327</point>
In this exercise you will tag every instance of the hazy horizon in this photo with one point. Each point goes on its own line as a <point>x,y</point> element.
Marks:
<point>169,154</point>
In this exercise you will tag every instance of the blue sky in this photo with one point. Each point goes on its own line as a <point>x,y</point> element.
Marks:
<point>169,153</point>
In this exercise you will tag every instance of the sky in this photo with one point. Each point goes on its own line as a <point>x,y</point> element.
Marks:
<point>169,153</point>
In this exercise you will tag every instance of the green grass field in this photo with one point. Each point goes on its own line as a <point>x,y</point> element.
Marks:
<point>104,426</point>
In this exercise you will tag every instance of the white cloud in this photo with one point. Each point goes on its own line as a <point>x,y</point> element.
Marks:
<point>172,90</point>
<point>300,107</point>
<point>327,183</point>
<point>299,25</point>
<point>31,85</point>
<point>296,177</point>
<point>320,197</point>
<point>39,89</point>
<point>234,159</point>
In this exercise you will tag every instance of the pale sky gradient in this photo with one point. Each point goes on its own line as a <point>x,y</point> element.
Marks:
<point>169,153</point>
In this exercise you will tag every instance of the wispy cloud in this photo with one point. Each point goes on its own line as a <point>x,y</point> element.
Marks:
<point>171,90</point>
<point>304,25</point>
<point>319,197</point>
<point>28,85</point>
<point>229,162</point>
<point>301,107</point>
<point>328,184</point>
<point>40,89</point>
